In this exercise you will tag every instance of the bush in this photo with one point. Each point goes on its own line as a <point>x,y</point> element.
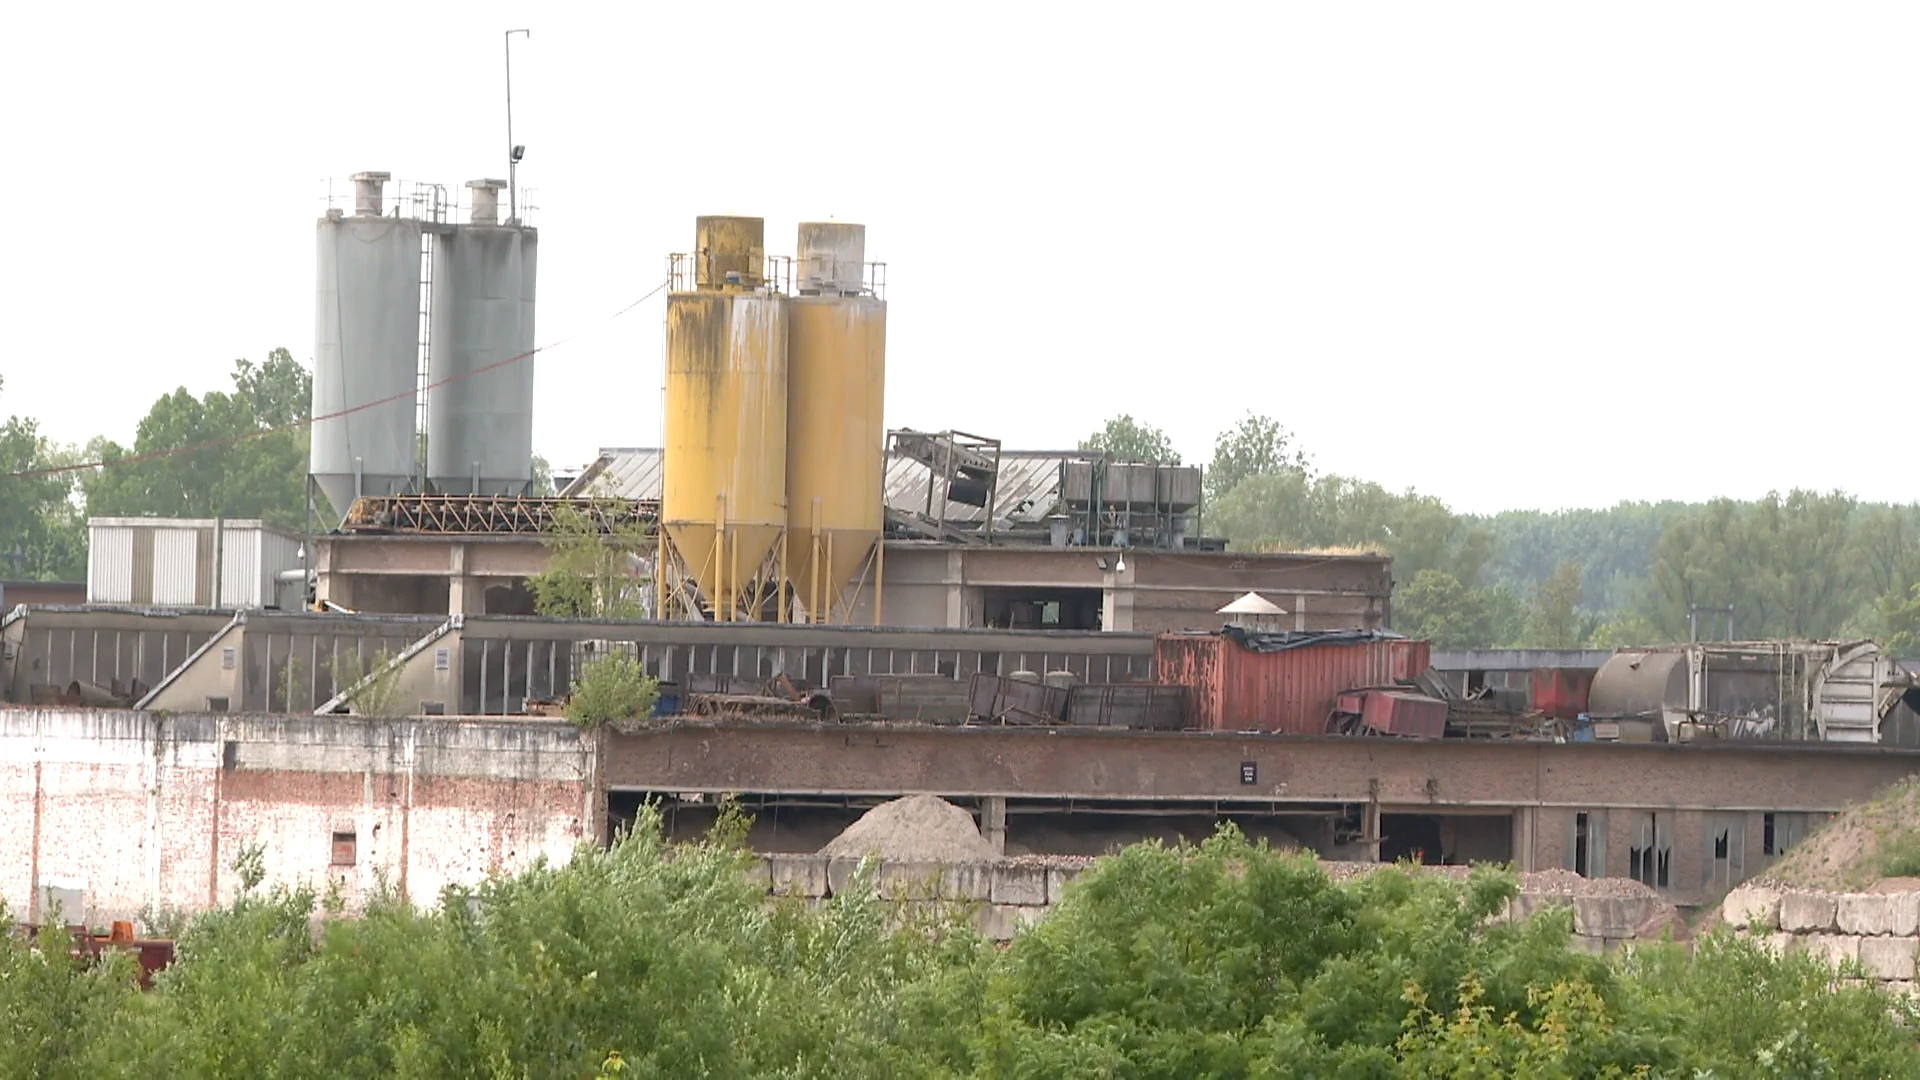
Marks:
<point>1226,959</point>
<point>613,687</point>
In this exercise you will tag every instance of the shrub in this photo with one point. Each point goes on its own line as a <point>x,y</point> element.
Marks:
<point>614,687</point>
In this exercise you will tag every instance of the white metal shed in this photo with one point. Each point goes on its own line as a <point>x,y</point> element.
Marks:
<point>191,562</point>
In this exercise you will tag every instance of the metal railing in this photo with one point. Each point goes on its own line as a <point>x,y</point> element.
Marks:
<point>417,200</point>
<point>776,275</point>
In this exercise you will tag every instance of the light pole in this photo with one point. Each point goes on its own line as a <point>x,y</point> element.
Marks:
<point>514,153</point>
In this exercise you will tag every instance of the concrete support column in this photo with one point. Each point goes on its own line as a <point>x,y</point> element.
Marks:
<point>955,580</point>
<point>1116,600</point>
<point>329,583</point>
<point>465,594</point>
<point>1523,826</point>
<point>993,822</point>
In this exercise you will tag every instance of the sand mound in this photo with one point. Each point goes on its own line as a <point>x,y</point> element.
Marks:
<point>1850,852</point>
<point>917,828</point>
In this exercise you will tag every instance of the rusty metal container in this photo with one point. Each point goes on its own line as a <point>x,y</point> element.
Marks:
<point>1561,692</point>
<point>1413,716</point>
<point>1139,706</point>
<point>991,697</point>
<point>1293,690</point>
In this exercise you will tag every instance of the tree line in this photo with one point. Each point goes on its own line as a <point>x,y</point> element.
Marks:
<point>1802,564</point>
<point>252,463</point>
<point>1799,564</point>
<point>1222,959</point>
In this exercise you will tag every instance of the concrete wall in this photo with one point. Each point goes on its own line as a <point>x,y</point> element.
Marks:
<point>104,646</point>
<point>434,575</point>
<point>1005,897</point>
<point>942,585</point>
<point>1688,793</point>
<point>148,810</point>
<point>1880,932</point>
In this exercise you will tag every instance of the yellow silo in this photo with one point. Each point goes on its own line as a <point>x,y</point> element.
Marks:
<point>836,381</point>
<point>723,498</point>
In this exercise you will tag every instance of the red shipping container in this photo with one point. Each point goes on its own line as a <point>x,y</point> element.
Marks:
<point>1292,690</point>
<point>1561,692</point>
<point>1414,716</point>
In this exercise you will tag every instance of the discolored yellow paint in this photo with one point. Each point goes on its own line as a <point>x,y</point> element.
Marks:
<point>729,244</point>
<point>723,502</point>
<point>836,382</point>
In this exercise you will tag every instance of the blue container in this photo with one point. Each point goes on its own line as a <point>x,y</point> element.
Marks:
<point>1582,729</point>
<point>668,703</point>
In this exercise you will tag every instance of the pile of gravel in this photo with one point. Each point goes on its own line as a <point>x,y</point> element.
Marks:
<point>917,828</point>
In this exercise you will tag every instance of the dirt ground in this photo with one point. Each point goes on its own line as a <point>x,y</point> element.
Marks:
<point>1848,853</point>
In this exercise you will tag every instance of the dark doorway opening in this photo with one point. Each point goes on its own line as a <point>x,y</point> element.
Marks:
<point>1041,608</point>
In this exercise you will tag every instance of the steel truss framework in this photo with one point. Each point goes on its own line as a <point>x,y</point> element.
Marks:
<point>499,515</point>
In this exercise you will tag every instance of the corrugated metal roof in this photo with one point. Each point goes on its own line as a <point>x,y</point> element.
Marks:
<point>1029,482</point>
<point>625,472</point>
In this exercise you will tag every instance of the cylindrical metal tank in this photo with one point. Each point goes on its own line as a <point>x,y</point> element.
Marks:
<point>366,348</point>
<point>1639,685</point>
<point>480,428</point>
<point>723,497</point>
<point>836,429</point>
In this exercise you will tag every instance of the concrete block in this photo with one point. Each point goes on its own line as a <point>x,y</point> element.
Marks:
<point>1890,914</point>
<point>1613,917</point>
<point>797,875</point>
<point>1755,907</point>
<point>909,880</point>
<point>1807,912</point>
<point>1889,958</point>
<point>760,875</point>
<point>1835,949</point>
<point>840,872</point>
<point>1585,944</point>
<point>999,922</point>
<point>1026,885</point>
<point>966,881</point>
<point>1057,878</point>
<point>1868,914</point>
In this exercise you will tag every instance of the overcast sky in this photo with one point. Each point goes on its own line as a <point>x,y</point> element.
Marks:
<point>1510,254</point>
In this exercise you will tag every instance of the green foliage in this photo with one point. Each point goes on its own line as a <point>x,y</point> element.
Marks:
<point>1554,616</point>
<point>595,570</point>
<point>374,682</point>
<point>542,478</point>
<point>1899,620</point>
<point>1127,439</point>
<point>37,514</point>
<point>1254,446</point>
<point>246,475</point>
<point>1785,564</point>
<point>1899,854</point>
<point>612,687</point>
<point>1436,606</point>
<point>1226,959</point>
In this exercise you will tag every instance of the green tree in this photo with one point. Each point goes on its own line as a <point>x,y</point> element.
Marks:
<point>1436,606</point>
<point>37,515</point>
<point>1900,622</point>
<point>237,472</point>
<point>542,478</point>
<point>1255,446</point>
<point>597,563</point>
<point>1127,439</point>
<point>1554,616</point>
<point>1788,566</point>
